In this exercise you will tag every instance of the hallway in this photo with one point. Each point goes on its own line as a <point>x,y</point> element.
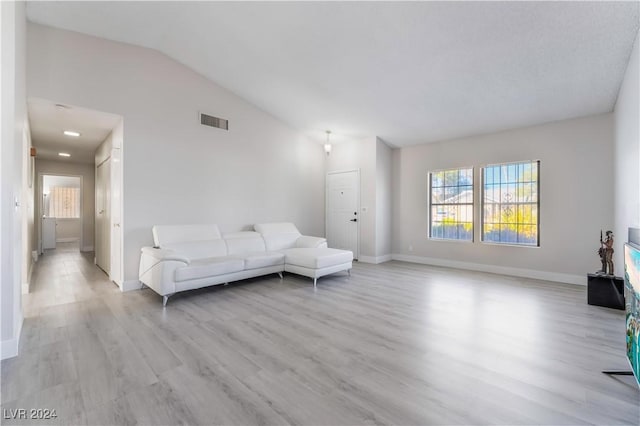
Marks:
<point>64,275</point>
<point>59,343</point>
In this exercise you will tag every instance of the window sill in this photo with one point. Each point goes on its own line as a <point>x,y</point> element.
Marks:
<point>489,243</point>
<point>450,240</point>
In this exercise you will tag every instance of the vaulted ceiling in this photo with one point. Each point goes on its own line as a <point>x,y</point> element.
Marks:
<point>410,72</point>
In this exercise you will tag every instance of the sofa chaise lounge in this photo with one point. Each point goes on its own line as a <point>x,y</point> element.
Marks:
<point>187,257</point>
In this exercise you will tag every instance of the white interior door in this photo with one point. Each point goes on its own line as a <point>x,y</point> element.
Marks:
<point>103,216</point>
<point>115,199</point>
<point>343,205</point>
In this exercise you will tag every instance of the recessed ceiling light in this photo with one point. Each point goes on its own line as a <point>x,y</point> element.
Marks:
<point>64,154</point>
<point>71,133</point>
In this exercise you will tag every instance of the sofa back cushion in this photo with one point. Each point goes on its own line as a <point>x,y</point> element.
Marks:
<point>191,241</point>
<point>278,236</point>
<point>244,242</point>
<point>199,249</point>
<point>170,234</point>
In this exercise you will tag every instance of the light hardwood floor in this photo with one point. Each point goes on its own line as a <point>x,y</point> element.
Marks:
<point>395,343</point>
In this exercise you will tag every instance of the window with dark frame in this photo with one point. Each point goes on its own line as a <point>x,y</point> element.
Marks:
<point>451,204</point>
<point>511,203</point>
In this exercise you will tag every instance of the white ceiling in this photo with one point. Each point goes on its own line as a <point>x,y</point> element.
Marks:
<point>409,72</point>
<point>48,122</point>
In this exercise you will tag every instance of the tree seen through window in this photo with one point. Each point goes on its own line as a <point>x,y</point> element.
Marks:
<point>451,203</point>
<point>510,203</point>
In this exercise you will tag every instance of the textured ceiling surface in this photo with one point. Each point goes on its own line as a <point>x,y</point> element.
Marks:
<point>410,72</point>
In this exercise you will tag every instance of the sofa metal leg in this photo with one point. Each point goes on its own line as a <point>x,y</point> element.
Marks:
<point>165,299</point>
<point>280,275</point>
<point>349,272</point>
<point>142,285</point>
<point>314,282</point>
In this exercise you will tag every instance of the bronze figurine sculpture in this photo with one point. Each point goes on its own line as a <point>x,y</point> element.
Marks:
<point>606,253</point>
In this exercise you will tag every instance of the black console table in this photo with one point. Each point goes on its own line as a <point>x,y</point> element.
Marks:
<point>605,290</point>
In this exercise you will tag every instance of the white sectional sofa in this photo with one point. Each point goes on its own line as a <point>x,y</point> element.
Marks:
<point>308,256</point>
<point>187,257</point>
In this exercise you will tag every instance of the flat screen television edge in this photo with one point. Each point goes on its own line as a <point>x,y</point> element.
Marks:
<point>632,306</point>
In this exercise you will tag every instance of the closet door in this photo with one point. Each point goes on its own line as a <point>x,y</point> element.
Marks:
<point>103,215</point>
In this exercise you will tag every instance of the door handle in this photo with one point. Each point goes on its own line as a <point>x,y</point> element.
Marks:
<point>353,220</point>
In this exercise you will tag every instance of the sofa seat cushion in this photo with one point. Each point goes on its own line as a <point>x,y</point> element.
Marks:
<point>209,267</point>
<point>263,259</point>
<point>317,258</point>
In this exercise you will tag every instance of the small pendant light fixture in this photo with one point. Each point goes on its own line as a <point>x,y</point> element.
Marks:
<point>327,146</point>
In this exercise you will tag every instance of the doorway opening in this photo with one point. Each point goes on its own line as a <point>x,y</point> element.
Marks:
<point>61,212</point>
<point>76,142</point>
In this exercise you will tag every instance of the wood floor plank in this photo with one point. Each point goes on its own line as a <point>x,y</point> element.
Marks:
<point>219,398</point>
<point>56,364</point>
<point>395,343</point>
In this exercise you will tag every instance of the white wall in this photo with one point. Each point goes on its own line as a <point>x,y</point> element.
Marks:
<point>28,224</point>
<point>627,156</point>
<point>87,193</point>
<point>360,154</point>
<point>175,170</point>
<point>383,200</point>
<point>373,158</point>
<point>576,198</point>
<point>14,120</point>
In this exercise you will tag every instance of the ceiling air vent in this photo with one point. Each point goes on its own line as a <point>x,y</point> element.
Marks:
<point>209,120</point>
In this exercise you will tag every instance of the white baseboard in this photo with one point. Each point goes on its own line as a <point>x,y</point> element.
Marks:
<point>87,248</point>
<point>9,347</point>
<point>502,270</point>
<point>375,259</point>
<point>67,240</point>
<point>129,285</point>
